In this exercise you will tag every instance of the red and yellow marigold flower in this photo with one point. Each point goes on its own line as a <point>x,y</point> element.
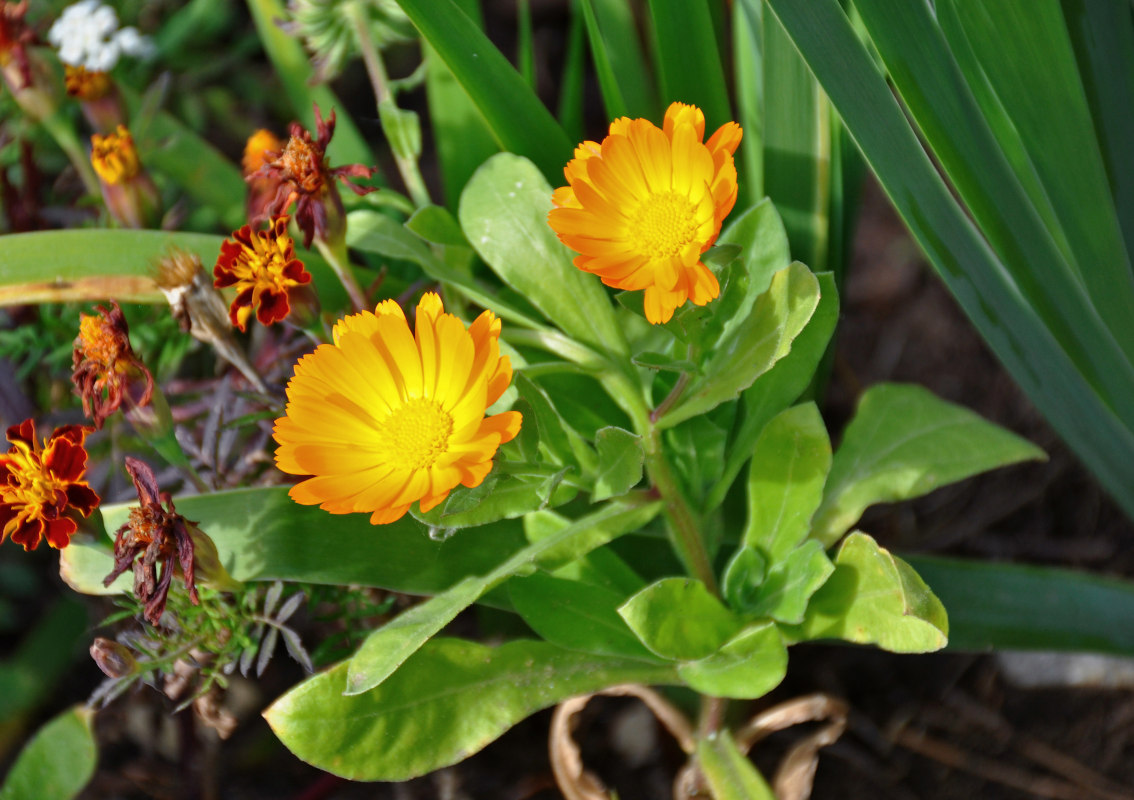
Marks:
<point>263,268</point>
<point>642,206</point>
<point>104,363</point>
<point>114,156</point>
<point>40,482</point>
<point>303,177</point>
<point>385,417</point>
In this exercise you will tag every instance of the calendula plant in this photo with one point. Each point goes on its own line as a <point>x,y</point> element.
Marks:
<point>593,402</point>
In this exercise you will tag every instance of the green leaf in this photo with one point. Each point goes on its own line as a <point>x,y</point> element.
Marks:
<point>763,339</point>
<point>904,442</point>
<point>790,583</point>
<point>1087,394</point>
<point>504,215</point>
<point>748,74</point>
<point>729,773</point>
<point>620,457</point>
<point>1022,607</point>
<point>57,763</point>
<point>402,129</point>
<point>451,699</point>
<point>387,648</point>
<point>623,75</point>
<point>261,534</point>
<point>497,498</point>
<point>554,435</point>
<point>687,58</point>
<point>875,598</point>
<point>600,567</point>
<point>743,575</point>
<point>516,117</point>
<point>748,666</point>
<point>295,73</point>
<point>780,386</point>
<point>436,225</point>
<point>575,615</point>
<point>785,480</point>
<point>373,232</point>
<point>30,674</point>
<point>678,618</point>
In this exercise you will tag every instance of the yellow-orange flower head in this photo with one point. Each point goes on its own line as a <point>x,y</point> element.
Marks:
<point>114,156</point>
<point>385,417</point>
<point>641,206</point>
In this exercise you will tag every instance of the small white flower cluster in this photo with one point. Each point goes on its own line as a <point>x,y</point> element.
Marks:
<point>87,35</point>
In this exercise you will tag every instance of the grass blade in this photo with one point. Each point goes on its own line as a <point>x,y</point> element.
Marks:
<point>623,74</point>
<point>688,59</point>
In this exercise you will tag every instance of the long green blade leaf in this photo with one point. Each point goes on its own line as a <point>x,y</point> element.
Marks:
<point>517,118</point>
<point>688,59</point>
<point>623,75</point>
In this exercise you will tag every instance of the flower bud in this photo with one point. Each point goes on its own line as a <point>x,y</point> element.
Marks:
<point>113,658</point>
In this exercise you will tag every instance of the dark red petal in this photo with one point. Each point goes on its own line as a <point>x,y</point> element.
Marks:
<point>24,432</point>
<point>74,433</point>
<point>273,307</point>
<point>145,482</point>
<point>7,514</point>
<point>294,270</point>
<point>82,498</point>
<point>65,460</point>
<point>29,534</point>
<point>244,299</point>
<point>58,532</point>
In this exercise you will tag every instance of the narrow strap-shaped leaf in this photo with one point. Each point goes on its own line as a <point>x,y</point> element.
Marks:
<point>1022,607</point>
<point>979,281</point>
<point>572,76</point>
<point>516,117</point>
<point>748,72</point>
<point>623,75</point>
<point>688,58</point>
<point>729,773</point>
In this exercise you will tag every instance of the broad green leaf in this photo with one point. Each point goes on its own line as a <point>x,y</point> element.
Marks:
<point>600,567</point>
<point>790,583</point>
<point>748,74</point>
<point>729,773</point>
<point>797,147</point>
<point>874,598</point>
<point>28,676</point>
<point>678,618</point>
<point>742,577</point>
<point>261,534</point>
<point>748,666</point>
<point>57,763</point>
<point>1100,427</point>
<point>620,457</point>
<point>373,232</point>
<point>765,337</point>
<point>294,70</point>
<point>498,497</point>
<point>387,648</point>
<point>688,60</point>
<point>56,266</point>
<point>785,480</point>
<point>904,442</point>
<point>435,224</point>
<point>516,117</point>
<point>504,215</point>
<point>780,386</point>
<point>451,699</point>
<point>553,435</point>
<point>623,75</point>
<point>575,615</point>
<point>1022,607</point>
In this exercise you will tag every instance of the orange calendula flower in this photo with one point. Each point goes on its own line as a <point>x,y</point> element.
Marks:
<point>385,417</point>
<point>263,268</point>
<point>114,156</point>
<point>304,178</point>
<point>104,363</point>
<point>641,206</point>
<point>40,482</point>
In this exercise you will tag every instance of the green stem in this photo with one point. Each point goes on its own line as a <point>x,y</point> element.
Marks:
<point>336,256</point>
<point>376,70</point>
<point>684,530</point>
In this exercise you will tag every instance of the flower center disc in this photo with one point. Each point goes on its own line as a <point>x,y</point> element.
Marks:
<point>416,434</point>
<point>663,225</point>
<point>35,486</point>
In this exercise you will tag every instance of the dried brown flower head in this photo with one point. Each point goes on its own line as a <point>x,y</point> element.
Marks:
<point>15,36</point>
<point>153,534</point>
<point>304,178</point>
<point>104,364</point>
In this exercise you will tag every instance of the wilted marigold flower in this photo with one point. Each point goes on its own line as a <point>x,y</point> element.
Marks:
<point>104,362</point>
<point>385,417</point>
<point>15,36</point>
<point>262,189</point>
<point>153,535</point>
<point>263,268</point>
<point>86,84</point>
<point>304,178</point>
<point>641,206</point>
<point>40,482</point>
<point>114,156</point>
